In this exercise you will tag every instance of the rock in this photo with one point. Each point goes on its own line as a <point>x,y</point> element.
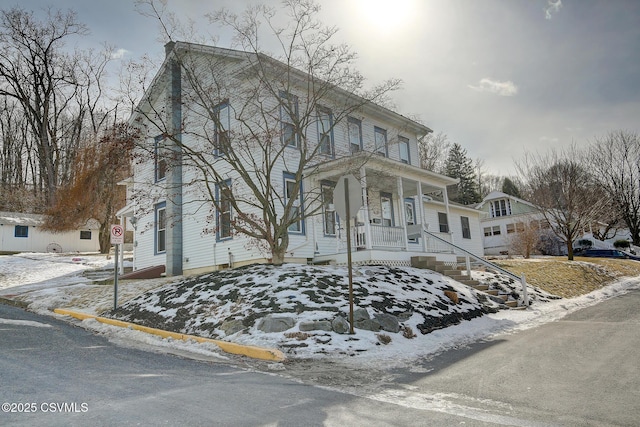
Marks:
<point>452,295</point>
<point>232,326</point>
<point>340,325</point>
<point>368,325</point>
<point>388,322</point>
<point>315,325</point>
<point>404,316</point>
<point>274,323</point>
<point>360,314</point>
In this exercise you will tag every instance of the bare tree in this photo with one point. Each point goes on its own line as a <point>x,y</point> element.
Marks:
<point>434,150</point>
<point>525,239</point>
<point>615,160</point>
<point>564,191</point>
<point>247,116</point>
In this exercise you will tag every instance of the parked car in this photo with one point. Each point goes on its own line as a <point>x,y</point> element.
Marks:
<point>608,253</point>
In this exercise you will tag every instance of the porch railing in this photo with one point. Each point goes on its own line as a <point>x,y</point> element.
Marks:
<point>381,237</point>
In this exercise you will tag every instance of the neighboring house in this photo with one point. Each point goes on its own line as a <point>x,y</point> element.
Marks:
<point>505,216</point>
<point>21,232</point>
<point>401,200</point>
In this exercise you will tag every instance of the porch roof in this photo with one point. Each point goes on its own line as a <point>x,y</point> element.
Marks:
<point>377,165</point>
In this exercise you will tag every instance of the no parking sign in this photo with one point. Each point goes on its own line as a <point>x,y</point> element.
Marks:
<point>117,234</point>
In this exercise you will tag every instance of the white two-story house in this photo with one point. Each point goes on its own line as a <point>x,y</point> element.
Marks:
<point>188,223</point>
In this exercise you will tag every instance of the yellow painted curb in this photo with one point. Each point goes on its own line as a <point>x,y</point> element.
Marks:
<point>228,347</point>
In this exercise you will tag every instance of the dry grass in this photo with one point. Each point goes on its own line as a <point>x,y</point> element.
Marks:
<point>569,279</point>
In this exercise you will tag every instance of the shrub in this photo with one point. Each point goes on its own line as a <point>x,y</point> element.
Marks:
<point>585,243</point>
<point>407,332</point>
<point>621,244</point>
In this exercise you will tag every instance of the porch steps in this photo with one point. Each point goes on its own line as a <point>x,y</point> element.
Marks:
<point>459,274</point>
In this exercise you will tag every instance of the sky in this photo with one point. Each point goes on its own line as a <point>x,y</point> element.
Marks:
<point>498,77</point>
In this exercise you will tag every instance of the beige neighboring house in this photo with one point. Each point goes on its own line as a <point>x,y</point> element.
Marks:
<point>503,217</point>
<point>20,232</point>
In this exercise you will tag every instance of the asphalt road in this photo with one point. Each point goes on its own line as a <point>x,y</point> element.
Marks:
<point>583,370</point>
<point>55,374</point>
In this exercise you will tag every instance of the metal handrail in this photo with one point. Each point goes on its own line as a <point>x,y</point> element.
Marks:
<point>486,263</point>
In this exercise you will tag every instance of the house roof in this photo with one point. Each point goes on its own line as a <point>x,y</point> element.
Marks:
<point>496,195</point>
<point>172,49</point>
<point>36,220</point>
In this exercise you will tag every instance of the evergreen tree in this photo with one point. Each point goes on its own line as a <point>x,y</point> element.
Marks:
<point>509,187</point>
<point>460,166</point>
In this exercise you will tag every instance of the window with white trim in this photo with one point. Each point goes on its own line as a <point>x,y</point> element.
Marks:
<point>325,131</point>
<point>295,214</point>
<point>380,139</point>
<point>386,204</point>
<point>160,227</point>
<point>500,208</point>
<point>85,234</point>
<point>288,119</point>
<point>21,231</point>
<point>443,222</point>
<point>403,147</point>
<point>355,134</point>
<point>466,228</point>
<point>224,214</point>
<point>222,122</point>
<point>328,209</point>
<point>159,159</point>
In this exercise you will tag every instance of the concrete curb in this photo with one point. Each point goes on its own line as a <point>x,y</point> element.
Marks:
<point>13,302</point>
<point>228,347</point>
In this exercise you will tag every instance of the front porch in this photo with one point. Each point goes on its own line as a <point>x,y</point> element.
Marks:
<point>391,226</point>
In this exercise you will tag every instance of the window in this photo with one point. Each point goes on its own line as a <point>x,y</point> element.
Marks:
<point>492,231</point>
<point>224,211</point>
<point>444,223</point>
<point>410,214</point>
<point>85,235</point>
<point>328,209</point>
<point>500,208</point>
<point>403,146</point>
<point>288,119</point>
<point>161,227</point>
<point>21,231</point>
<point>466,229</point>
<point>355,134</point>
<point>325,131</point>
<point>511,228</point>
<point>222,120</point>
<point>295,214</point>
<point>386,206</point>
<point>380,137</point>
<point>159,161</point>
<point>520,227</point>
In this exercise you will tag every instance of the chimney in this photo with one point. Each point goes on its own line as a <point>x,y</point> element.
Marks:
<point>168,48</point>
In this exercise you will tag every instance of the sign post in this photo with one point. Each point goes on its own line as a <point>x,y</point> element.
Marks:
<point>117,239</point>
<point>347,198</point>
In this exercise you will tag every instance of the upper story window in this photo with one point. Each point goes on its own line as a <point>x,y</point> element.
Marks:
<point>159,159</point>
<point>288,119</point>
<point>500,208</point>
<point>380,138</point>
<point>295,214</point>
<point>222,122</point>
<point>355,135</point>
<point>403,146</point>
<point>21,231</point>
<point>325,131</point>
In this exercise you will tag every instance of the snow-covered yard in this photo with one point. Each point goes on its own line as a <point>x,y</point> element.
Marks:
<point>418,318</point>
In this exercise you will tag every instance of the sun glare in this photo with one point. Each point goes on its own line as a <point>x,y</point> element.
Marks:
<point>386,15</point>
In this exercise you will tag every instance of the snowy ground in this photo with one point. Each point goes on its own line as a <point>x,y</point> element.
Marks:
<point>200,305</point>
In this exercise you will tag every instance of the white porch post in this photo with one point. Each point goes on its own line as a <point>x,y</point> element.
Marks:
<point>402,217</point>
<point>446,205</point>
<point>365,206</point>
<point>421,216</point>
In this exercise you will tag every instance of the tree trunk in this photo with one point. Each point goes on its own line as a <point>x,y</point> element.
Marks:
<point>569,249</point>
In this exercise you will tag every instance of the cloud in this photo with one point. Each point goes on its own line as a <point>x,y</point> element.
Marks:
<point>119,54</point>
<point>507,88</point>
<point>552,8</point>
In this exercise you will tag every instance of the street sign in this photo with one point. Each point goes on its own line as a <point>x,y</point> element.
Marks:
<point>354,196</point>
<point>117,234</point>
